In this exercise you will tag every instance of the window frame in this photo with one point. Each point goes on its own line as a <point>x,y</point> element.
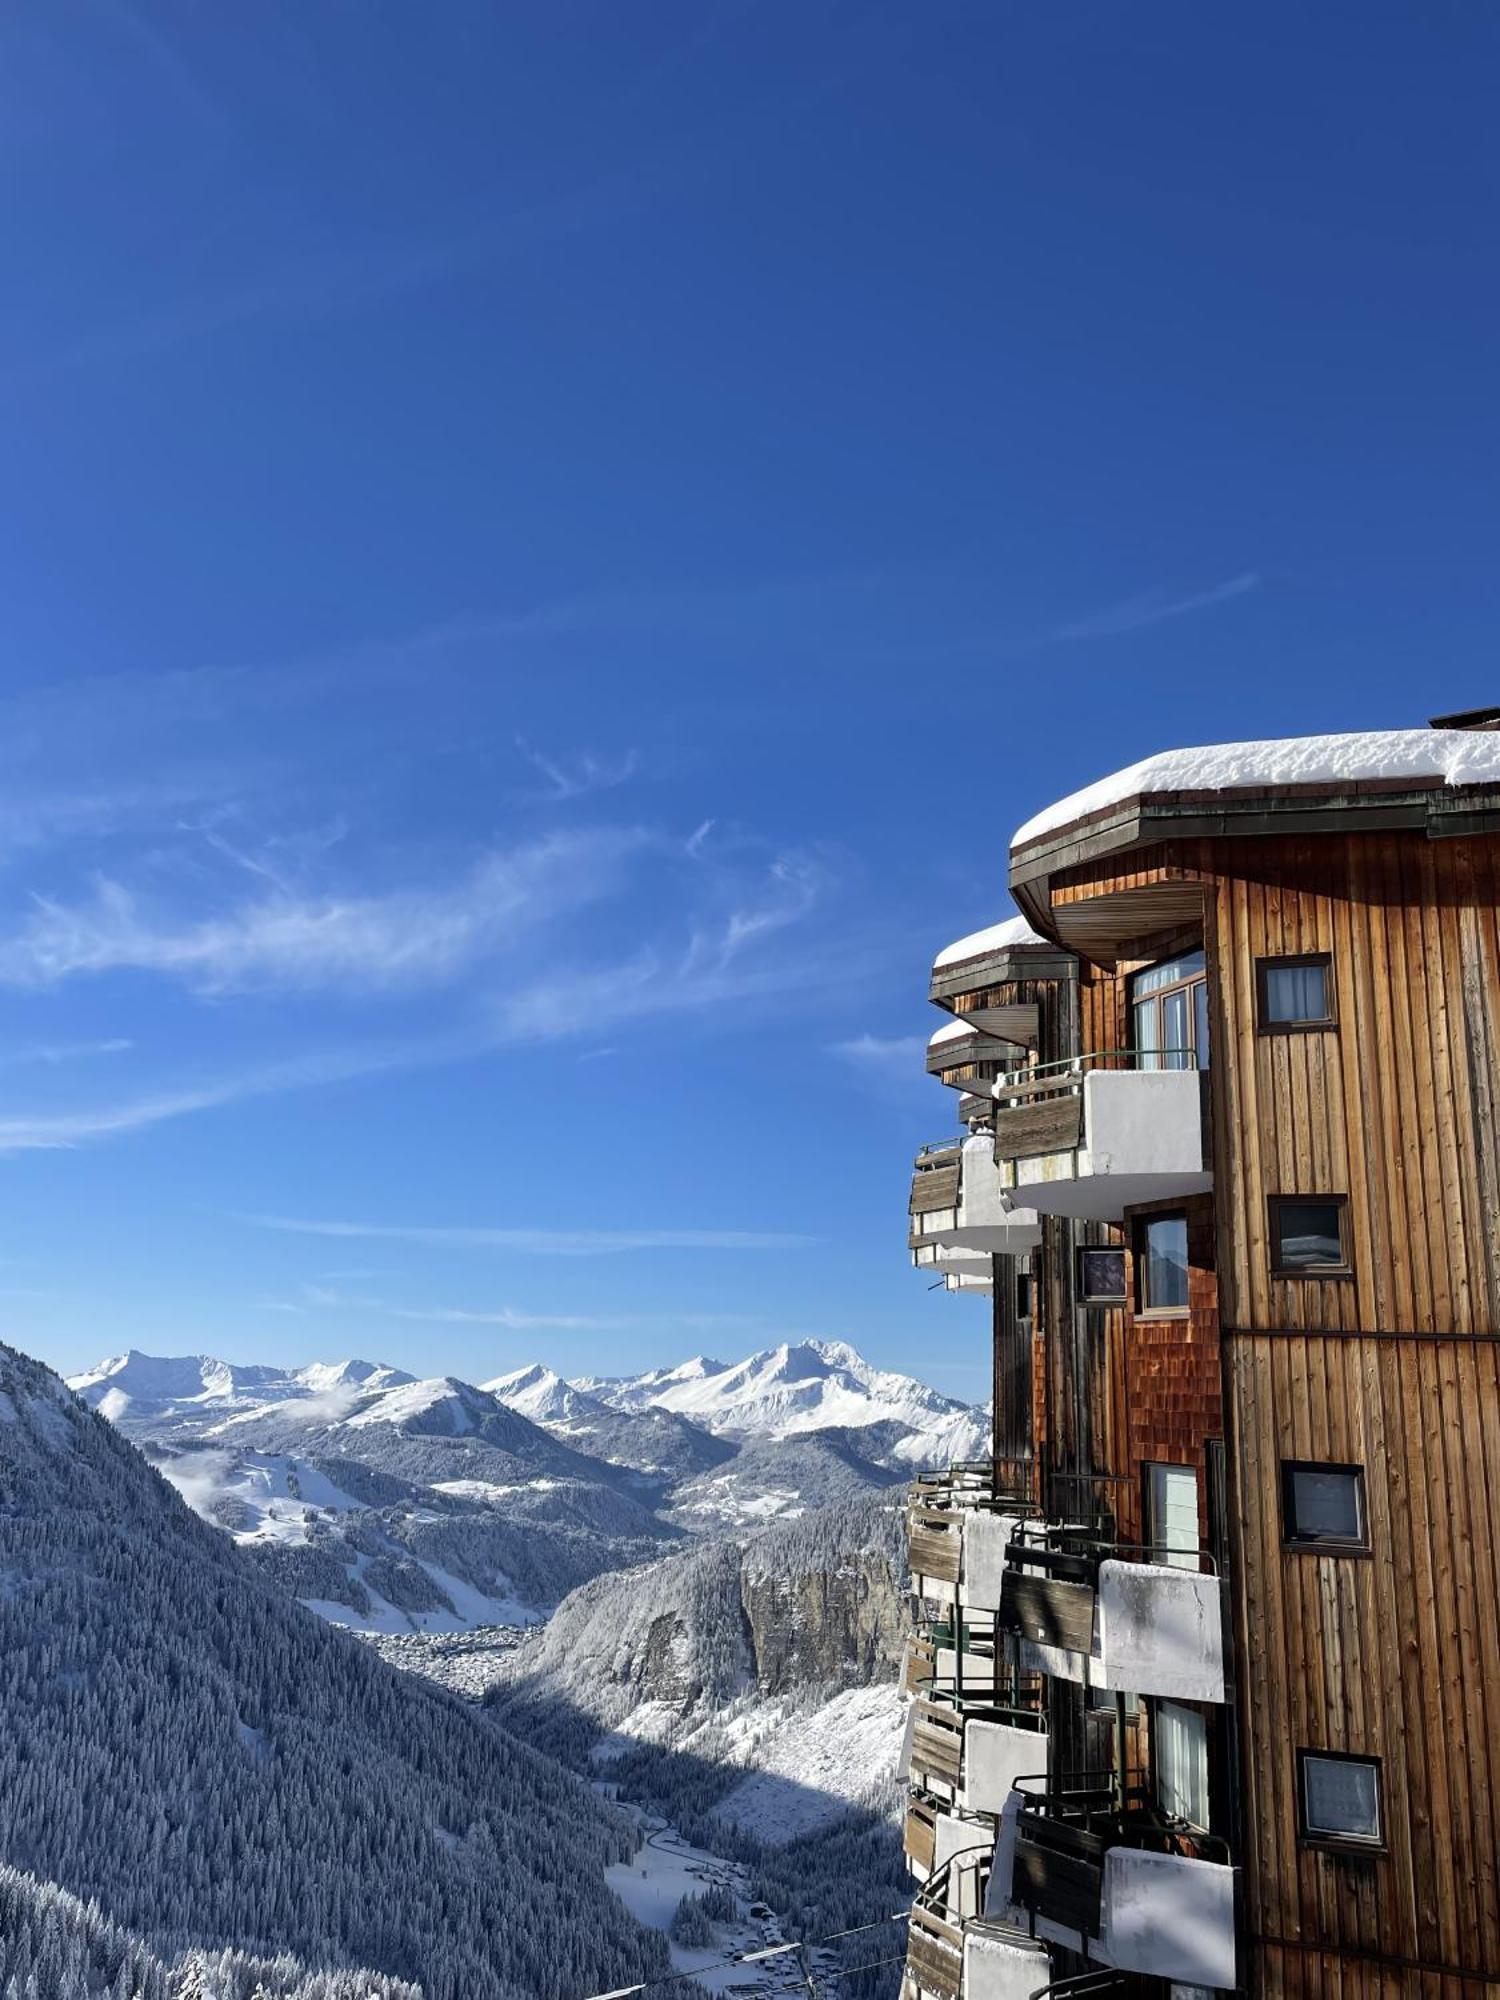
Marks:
<point>1340,1843</point>
<point>1154,1537</point>
<point>1185,1708</point>
<point>1143,1308</point>
<point>1264,1025</point>
<point>1325,1545</point>
<point>1340,1202</point>
<point>1158,1000</point>
<point>1106,1300</point>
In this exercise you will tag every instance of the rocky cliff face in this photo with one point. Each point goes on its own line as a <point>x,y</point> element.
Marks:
<point>804,1609</point>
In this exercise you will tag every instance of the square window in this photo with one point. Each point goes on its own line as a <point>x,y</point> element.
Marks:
<point>1339,1799</point>
<point>1309,1236</point>
<point>1161,1264</point>
<point>1101,1277</point>
<point>1294,993</point>
<point>1323,1506</point>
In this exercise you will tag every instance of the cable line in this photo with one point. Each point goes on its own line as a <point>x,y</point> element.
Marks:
<point>767,1951</point>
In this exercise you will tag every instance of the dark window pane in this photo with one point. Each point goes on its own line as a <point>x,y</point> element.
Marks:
<point>1296,992</point>
<point>1165,1276</point>
<point>1101,1274</point>
<point>1200,1024</point>
<point>1341,1797</point>
<point>1307,1235</point>
<point>1325,1505</point>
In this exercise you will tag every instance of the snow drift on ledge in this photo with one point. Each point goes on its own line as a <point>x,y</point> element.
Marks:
<point>1455,756</point>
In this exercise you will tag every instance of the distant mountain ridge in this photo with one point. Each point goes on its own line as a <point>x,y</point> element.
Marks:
<point>395,1503</point>
<point>809,1385</point>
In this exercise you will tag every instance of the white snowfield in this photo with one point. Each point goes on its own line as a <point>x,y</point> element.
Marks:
<point>1451,756</point>
<point>811,1769</point>
<point>997,937</point>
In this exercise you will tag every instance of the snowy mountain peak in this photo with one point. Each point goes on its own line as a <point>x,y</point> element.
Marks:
<point>804,1386</point>
<point>541,1393</point>
<point>321,1375</point>
<point>148,1381</point>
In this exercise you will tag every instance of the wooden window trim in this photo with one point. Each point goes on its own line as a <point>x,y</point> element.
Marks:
<point>1340,1843</point>
<point>1264,1025</point>
<point>1141,1309</point>
<point>1330,1546</point>
<point>1343,1269</point>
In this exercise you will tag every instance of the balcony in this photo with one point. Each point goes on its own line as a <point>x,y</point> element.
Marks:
<point>1107,1616</point>
<point>958,1528</point>
<point>954,1951</point>
<point>984,1221</point>
<point>1090,1137</point>
<point>1119,1882</point>
<point>969,1749</point>
<point>966,1058</point>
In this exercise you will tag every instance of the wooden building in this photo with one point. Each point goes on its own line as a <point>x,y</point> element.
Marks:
<point>1207,1683</point>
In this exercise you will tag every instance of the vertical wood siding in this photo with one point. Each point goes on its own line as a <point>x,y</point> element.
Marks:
<point>1396,1368</point>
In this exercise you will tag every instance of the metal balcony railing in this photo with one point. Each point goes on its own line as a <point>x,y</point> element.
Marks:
<point>1068,1823</point>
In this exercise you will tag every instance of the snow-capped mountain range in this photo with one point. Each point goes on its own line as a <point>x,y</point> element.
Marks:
<point>814,1385</point>
<point>398,1504</point>
<point>777,1393</point>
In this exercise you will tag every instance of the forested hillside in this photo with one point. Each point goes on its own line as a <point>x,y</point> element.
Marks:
<point>217,1767</point>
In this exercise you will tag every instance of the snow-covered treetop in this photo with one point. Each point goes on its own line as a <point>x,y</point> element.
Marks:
<point>998,937</point>
<point>1450,756</point>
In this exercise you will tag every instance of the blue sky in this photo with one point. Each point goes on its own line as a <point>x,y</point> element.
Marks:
<point>545,550</point>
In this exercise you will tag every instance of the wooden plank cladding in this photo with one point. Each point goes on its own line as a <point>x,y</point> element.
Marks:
<point>1054,1125</point>
<point>934,1187</point>
<point>935,1544</point>
<point>920,1834</point>
<point>1395,1108</point>
<point>934,1954</point>
<point>937,1743</point>
<point>1395,1656</point>
<point>1047,1610</point>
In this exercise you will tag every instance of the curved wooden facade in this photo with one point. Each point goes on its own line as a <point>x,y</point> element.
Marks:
<point>1362,1352</point>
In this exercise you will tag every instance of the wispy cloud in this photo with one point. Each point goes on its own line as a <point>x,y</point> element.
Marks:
<point>52,1055</point>
<point>537,1242</point>
<point>722,966</point>
<point>577,774</point>
<point>33,1132</point>
<point>512,1317</point>
<point>1155,607</point>
<point>329,281</point>
<point>888,1057</point>
<point>404,937</point>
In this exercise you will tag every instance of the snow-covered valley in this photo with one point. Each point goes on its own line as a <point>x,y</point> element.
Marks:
<point>695,1614</point>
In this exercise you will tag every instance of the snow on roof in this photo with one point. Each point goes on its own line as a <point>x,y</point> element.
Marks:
<point>1454,756</point>
<point>950,1032</point>
<point>1013,931</point>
